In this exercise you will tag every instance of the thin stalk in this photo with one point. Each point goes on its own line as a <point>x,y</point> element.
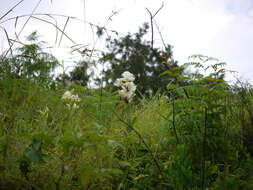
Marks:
<point>226,116</point>
<point>203,169</point>
<point>23,27</point>
<point>57,183</point>
<point>152,16</point>
<point>11,9</point>
<point>173,120</point>
<point>101,94</point>
<point>64,28</point>
<point>143,141</point>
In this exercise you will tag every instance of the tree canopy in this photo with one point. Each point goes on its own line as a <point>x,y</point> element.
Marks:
<point>135,54</point>
<point>29,61</point>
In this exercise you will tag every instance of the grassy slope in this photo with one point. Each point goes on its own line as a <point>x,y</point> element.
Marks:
<point>108,144</point>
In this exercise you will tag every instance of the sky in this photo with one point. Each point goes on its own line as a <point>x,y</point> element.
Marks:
<point>218,28</point>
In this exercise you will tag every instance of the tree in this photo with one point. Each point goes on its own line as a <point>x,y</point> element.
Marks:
<point>134,54</point>
<point>30,61</point>
<point>80,74</point>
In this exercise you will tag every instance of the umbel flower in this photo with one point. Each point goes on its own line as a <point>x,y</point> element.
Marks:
<point>127,91</point>
<point>71,99</point>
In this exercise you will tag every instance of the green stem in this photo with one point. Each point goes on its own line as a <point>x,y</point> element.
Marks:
<point>143,141</point>
<point>203,151</point>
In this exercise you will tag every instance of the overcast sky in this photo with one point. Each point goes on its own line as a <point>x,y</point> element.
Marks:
<point>217,28</point>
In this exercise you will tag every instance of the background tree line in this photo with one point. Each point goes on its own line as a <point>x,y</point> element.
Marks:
<point>131,52</point>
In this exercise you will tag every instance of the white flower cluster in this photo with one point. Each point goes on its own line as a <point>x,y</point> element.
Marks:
<point>71,98</point>
<point>127,86</point>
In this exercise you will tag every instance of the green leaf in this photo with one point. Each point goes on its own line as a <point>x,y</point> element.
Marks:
<point>36,145</point>
<point>34,156</point>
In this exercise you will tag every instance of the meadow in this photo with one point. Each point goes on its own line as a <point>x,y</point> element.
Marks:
<point>127,117</point>
<point>197,136</point>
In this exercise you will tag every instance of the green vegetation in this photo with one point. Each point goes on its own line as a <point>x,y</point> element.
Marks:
<point>29,61</point>
<point>158,127</point>
<point>135,54</point>
<point>196,135</point>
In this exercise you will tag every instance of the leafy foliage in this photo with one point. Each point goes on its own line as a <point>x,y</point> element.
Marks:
<point>134,54</point>
<point>194,133</point>
<point>80,73</point>
<point>29,61</point>
<point>199,138</point>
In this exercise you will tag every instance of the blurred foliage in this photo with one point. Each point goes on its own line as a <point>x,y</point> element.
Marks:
<point>135,54</point>
<point>80,73</point>
<point>29,61</point>
<point>195,134</point>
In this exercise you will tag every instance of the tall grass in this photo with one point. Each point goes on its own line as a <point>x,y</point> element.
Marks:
<point>198,137</point>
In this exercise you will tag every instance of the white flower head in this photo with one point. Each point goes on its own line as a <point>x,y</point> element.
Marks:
<point>128,76</point>
<point>71,99</point>
<point>127,86</point>
<point>126,95</point>
<point>75,98</point>
<point>118,82</point>
<point>66,95</point>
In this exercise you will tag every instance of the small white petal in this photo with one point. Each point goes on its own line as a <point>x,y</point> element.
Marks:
<point>129,76</point>
<point>118,82</point>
